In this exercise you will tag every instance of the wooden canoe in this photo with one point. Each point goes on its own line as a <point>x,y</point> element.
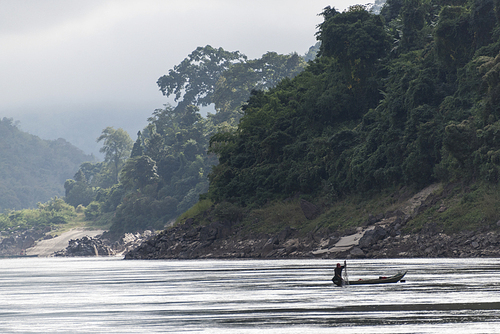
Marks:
<point>381,280</point>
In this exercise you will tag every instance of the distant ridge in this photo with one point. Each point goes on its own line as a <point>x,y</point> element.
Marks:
<point>33,170</point>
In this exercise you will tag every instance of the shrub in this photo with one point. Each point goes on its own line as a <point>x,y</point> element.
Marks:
<point>93,210</point>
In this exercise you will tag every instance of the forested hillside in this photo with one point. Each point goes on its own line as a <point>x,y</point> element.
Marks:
<point>33,170</point>
<point>408,97</point>
<point>167,168</point>
<point>396,100</point>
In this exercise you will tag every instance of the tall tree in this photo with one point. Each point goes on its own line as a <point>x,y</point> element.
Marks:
<point>117,146</point>
<point>195,77</point>
<point>236,83</point>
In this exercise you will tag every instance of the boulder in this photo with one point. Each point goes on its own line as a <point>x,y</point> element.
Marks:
<point>268,247</point>
<point>372,236</point>
<point>310,210</point>
<point>86,246</point>
<point>357,252</point>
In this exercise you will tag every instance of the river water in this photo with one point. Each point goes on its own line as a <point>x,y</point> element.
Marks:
<point>111,295</point>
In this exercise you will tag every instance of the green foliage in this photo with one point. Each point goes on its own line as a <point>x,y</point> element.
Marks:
<point>276,216</point>
<point>361,118</point>
<point>92,211</point>
<point>406,98</point>
<point>197,210</point>
<point>356,38</point>
<point>468,209</point>
<point>78,193</point>
<point>139,172</point>
<point>236,83</point>
<point>453,38</point>
<point>168,167</point>
<point>116,148</point>
<point>227,211</point>
<point>52,213</point>
<point>194,78</point>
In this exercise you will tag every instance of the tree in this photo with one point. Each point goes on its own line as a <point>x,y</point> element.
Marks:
<point>137,149</point>
<point>453,36</point>
<point>210,75</point>
<point>138,172</point>
<point>356,38</point>
<point>195,77</point>
<point>236,83</point>
<point>78,192</point>
<point>116,148</point>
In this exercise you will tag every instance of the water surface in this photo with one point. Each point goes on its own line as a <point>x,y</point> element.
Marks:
<point>111,295</point>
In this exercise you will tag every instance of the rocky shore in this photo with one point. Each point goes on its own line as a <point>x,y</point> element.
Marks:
<point>99,246</point>
<point>223,240</point>
<point>86,246</point>
<point>382,236</point>
<point>16,243</point>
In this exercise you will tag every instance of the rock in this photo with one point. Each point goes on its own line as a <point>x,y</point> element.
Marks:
<point>285,234</point>
<point>357,252</point>
<point>372,236</point>
<point>15,243</point>
<point>371,220</point>
<point>442,209</point>
<point>310,210</point>
<point>220,239</point>
<point>268,247</point>
<point>86,246</point>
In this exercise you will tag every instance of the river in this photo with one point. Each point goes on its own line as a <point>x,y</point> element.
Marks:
<point>111,295</point>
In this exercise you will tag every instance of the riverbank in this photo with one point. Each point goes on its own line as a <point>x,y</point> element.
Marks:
<point>222,241</point>
<point>48,247</point>
<point>389,235</point>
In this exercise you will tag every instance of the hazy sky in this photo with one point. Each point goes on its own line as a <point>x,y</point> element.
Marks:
<point>69,68</point>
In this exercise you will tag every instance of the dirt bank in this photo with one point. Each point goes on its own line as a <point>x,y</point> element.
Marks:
<point>50,246</point>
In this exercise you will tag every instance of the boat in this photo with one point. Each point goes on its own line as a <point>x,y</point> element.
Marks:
<point>381,280</point>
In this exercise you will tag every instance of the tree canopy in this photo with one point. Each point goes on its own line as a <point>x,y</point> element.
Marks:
<point>368,114</point>
<point>116,147</point>
<point>167,168</point>
<point>194,79</point>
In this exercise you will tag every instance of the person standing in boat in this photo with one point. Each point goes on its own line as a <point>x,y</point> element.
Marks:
<point>337,276</point>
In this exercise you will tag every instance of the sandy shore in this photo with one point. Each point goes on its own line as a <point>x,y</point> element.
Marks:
<point>48,247</point>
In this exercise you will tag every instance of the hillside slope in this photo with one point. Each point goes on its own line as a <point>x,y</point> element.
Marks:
<point>32,169</point>
<point>412,226</point>
<point>392,104</point>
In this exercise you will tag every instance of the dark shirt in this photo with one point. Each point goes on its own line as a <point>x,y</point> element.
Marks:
<point>338,271</point>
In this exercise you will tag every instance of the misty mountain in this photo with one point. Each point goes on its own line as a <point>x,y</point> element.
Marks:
<point>33,170</point>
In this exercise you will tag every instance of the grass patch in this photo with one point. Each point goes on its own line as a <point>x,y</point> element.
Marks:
<point>275,216</point>
<point>467,208</point>
<point>473,208</point>
<point>351,212</point>
<point>79,221</point>
<point>196,211</point>
<point>102,222</point>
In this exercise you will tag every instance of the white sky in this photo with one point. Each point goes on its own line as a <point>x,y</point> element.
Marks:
<point>69,68</point>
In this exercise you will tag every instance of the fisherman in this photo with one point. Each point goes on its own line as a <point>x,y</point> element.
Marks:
<point>337,277</point>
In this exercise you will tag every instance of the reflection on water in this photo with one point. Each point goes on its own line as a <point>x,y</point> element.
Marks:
<point>111,295</point>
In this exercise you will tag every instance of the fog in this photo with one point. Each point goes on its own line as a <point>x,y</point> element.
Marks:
<point>70,68</point>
